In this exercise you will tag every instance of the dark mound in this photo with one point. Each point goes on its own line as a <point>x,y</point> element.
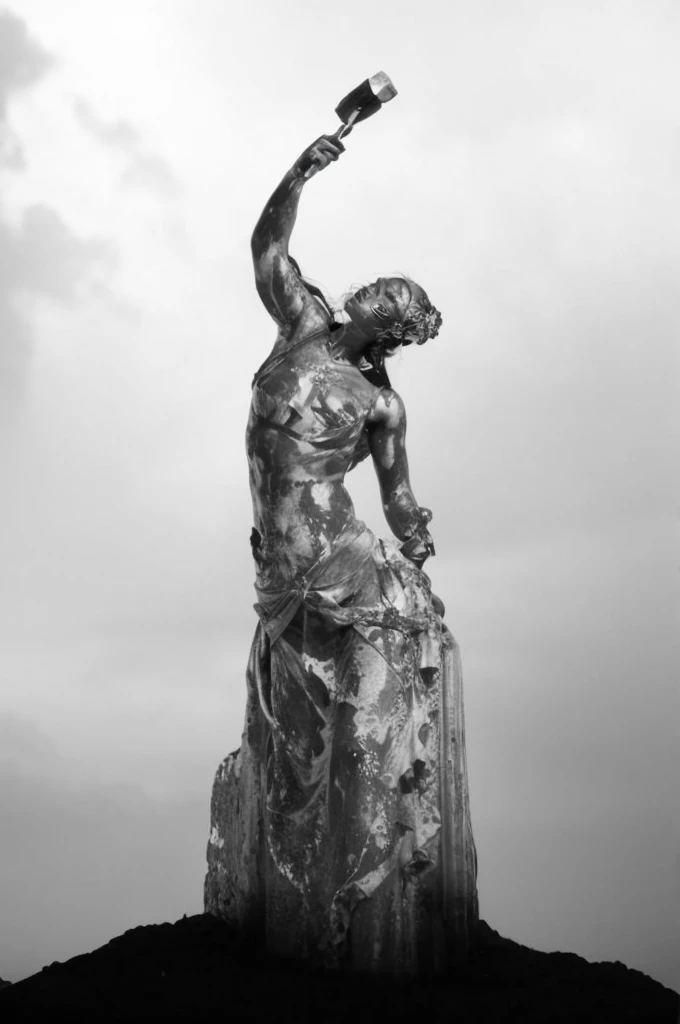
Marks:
<point>200,969</point>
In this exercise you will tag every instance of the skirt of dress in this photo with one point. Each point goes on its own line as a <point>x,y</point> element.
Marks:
<point>347,839</point>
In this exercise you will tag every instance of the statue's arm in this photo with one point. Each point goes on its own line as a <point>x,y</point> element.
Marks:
<point>387,439</point>
<point>278,284</point>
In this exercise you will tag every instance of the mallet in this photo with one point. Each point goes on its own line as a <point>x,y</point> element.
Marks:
<point>359,104</point>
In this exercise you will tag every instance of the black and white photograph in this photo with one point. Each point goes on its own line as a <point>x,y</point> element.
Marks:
<point>339,570</point>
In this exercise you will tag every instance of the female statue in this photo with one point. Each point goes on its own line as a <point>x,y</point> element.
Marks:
<point>341,828</point>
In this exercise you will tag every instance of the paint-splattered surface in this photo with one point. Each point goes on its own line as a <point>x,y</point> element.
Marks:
<point>343,822</point>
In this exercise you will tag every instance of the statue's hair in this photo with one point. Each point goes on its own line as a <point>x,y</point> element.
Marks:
<point>420,322</point>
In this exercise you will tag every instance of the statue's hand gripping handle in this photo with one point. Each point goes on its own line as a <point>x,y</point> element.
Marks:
<point>360,103</point>
<point>343,130</point>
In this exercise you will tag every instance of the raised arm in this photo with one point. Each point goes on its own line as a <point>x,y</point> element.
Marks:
<point>387,439</point>
<point>278,284</point>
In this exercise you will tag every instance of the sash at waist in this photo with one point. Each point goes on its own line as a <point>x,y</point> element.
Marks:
<point>361,581</point>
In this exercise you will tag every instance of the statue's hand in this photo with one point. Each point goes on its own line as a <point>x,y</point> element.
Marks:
<point>418,545</point>
<point>418,548</point>
<point>319,155</point>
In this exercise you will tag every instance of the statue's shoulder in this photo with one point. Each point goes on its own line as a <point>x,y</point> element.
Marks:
<point>290,342</point>
<point>314,322</point>
<point>388,408</point>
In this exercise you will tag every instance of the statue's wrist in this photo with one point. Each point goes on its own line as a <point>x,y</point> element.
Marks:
<point>417,549</point>
<point>417,522</point>
<point>295,178</point>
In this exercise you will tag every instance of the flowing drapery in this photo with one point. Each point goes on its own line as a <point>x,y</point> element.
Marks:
<point>354,752</point>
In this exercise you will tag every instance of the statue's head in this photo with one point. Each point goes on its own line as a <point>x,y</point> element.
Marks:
<point>393,311</point>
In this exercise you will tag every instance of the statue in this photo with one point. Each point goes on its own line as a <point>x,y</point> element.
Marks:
<point>341,828</point>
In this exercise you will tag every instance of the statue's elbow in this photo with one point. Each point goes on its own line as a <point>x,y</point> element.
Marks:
<point>264,257</point>
<point>257,243</point>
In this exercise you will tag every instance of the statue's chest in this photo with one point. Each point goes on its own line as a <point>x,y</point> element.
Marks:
<point>320,401</point>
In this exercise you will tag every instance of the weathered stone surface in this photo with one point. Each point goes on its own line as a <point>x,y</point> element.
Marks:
<point>234,889</point>
<point>231,882</point>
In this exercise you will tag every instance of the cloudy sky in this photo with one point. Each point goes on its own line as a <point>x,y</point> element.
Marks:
<point>527,174</point>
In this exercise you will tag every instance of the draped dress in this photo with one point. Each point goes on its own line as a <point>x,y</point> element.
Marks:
<point>341,828</point>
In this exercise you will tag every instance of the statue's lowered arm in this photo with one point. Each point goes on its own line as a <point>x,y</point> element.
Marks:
<point>387,439</point>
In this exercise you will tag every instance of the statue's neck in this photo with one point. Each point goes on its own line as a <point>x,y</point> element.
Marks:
<point>347,342</point>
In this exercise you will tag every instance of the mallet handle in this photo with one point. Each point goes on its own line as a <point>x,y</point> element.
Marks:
<point>343,130</point>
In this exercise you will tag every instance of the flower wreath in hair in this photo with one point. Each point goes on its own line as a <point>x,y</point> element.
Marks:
<point>418,325</point>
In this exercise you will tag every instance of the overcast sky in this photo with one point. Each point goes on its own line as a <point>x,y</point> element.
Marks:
<point>527,175</point>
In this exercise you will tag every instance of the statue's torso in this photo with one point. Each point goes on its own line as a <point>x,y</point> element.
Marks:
<point>307,427</point>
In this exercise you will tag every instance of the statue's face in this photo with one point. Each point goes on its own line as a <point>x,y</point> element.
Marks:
<point>378,304</point>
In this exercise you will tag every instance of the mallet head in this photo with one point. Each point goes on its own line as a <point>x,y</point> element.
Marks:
<point>365,100</point>
<point>359,104</point>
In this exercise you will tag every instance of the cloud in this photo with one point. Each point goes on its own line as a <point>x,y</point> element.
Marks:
<point>143,169</point>
<point>23,62</point>
<point>153,173</point>
<point>15,349</point>
<point>118,133</point>
<point>44,257</point>
<point>11,153</point>
<point>41,257</point>
<point>98,858</point>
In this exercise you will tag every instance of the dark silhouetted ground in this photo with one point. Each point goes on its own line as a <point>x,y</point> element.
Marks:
<point>201,969</point>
